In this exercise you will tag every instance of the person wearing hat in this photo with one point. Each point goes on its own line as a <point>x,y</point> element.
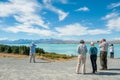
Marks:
<point>32,52</point>
<point>93,56</point>
<point>81,50</point>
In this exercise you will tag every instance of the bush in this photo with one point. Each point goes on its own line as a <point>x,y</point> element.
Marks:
<point>8,49</point>
<point>24,50</point>
<point>40,51</point>
<point>56,56</point>
<point>2,48</point>
<point>19,49</point>
<point>15,49</point>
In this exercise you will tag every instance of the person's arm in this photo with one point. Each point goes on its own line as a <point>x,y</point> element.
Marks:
<point>86,49</point>
<point>113,48</point>
<point>101,45</point>
<point>78,49</point>
<point>96,50</point>
<point>90,51</point>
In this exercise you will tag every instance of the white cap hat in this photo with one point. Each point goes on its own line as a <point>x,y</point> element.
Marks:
<point>92,43</point>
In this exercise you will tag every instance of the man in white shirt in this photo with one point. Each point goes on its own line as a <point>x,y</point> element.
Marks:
<point>103,54</point>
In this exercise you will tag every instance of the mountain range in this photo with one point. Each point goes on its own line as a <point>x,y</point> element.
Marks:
<point>47,41</point>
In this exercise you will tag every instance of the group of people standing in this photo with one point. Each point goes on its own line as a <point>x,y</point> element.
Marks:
<point>82,51</point>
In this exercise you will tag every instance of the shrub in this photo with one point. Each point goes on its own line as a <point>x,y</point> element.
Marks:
<point>2,48</point>
<point>56,56</point>
<point>7,49</point>
<point>19,49</point>
<point>24,50</point>
<point>40,51</point>
<point>15,49</point>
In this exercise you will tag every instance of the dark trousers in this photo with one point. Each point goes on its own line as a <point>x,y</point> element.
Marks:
<point>103,59</point>
<point>111,54</point>
<point>93,62</point>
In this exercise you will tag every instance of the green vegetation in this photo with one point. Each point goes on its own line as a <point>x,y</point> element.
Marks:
<point>18,49</point>
<point>53,55</point>
<point>24,50</point>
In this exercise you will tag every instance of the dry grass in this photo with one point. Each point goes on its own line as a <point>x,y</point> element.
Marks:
<point>12,55</point>
<point>55,60</point>
<point>38,57</point>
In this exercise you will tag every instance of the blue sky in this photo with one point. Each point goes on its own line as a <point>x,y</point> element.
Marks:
<point>60,19</point>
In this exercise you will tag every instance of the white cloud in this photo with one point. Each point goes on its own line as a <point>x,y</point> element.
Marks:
<point>98,31</point>
<point>68,30</point>
<point>83,9</point>
<point>114,5</point>
<point>48,5</point>
<point>25,14</point>
<point>78,30</point>
<point>4,38</point>
<point>113,21</point>
<point>61,1</point>
<point>62,15</point>
<point>111,15</point>
<point>114,24</point>
<point>73,29</point>
<point>23,11</point>
<point>31,20</point>
<point>28,29</point>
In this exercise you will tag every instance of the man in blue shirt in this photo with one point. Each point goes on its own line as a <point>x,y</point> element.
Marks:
<point>32,52</point>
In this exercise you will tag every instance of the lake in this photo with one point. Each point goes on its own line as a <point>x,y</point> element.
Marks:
<point>70,49</point>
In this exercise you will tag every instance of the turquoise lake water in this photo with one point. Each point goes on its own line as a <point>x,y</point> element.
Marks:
<point>70,49</point>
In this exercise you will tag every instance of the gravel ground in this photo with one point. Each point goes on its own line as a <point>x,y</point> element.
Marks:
<point>21,69</point>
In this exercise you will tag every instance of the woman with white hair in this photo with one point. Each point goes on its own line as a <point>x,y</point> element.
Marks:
<point>93,56</point>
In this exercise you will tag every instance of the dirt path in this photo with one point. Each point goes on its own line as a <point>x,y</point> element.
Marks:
<point>21,69</point>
